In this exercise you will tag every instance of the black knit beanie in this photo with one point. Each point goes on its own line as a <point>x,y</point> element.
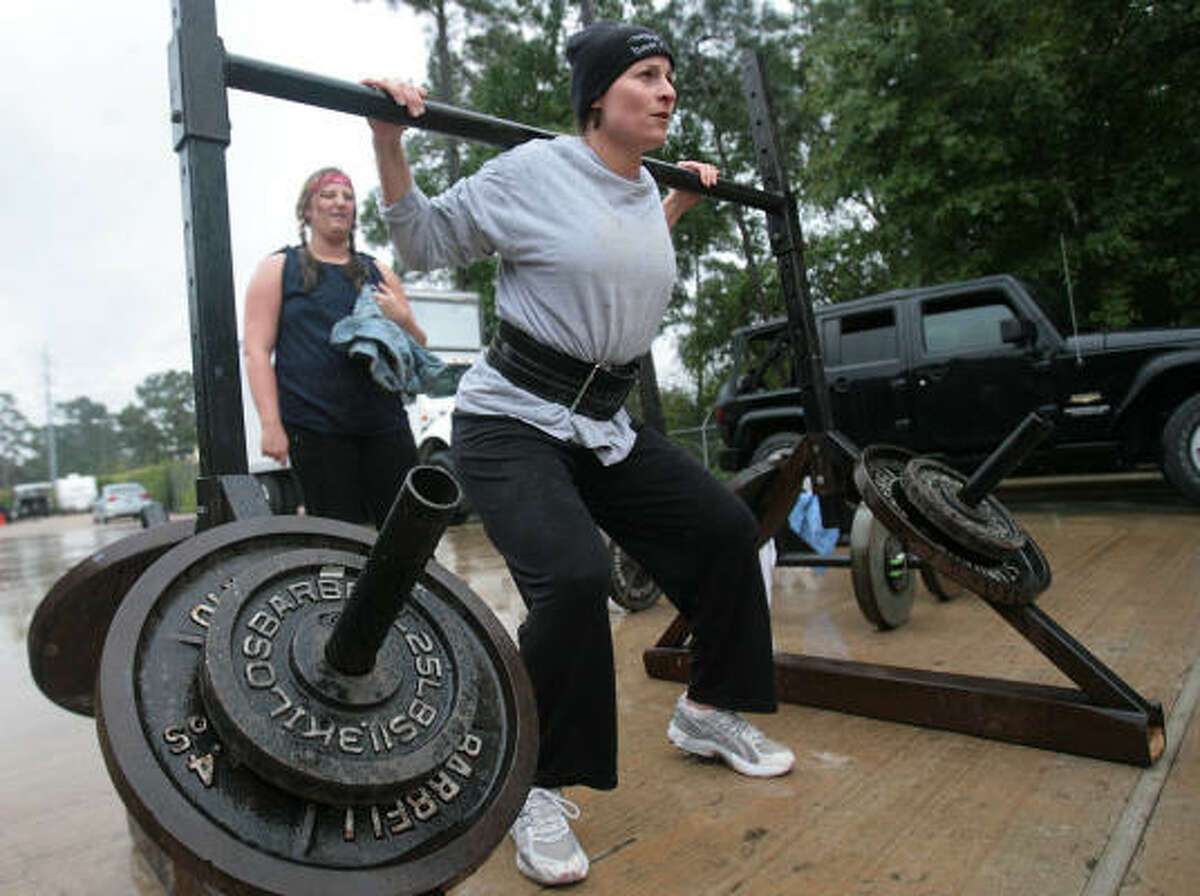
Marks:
<point>600,53</point>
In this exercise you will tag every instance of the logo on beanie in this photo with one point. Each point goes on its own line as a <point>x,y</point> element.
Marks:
<point>646,44</point>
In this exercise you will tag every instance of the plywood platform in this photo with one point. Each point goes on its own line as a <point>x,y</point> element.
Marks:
<point>871,808</point>
<point>880,808</point>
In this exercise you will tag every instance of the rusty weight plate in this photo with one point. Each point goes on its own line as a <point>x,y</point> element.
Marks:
<point>67,632</point>
<point>1016,577</point>
<point>206,806</point>
<point>932,488</point>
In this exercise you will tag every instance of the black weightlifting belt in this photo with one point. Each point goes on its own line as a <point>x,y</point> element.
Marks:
<point>594,390</point>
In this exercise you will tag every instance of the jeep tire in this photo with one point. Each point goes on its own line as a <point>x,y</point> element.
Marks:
<point>776,446</point>
<point>1181,449</point>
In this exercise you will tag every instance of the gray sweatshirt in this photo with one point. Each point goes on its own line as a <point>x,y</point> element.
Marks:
<point>586,266</point>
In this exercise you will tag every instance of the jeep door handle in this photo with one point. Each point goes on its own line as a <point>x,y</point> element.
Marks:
<point>932,375</point>
<point>841,384</point>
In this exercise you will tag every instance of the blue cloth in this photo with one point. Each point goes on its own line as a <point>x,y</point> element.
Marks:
<point>396,361</point>
<point>805,520</point>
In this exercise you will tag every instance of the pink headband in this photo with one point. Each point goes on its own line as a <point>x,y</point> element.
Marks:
<point>332,177</point>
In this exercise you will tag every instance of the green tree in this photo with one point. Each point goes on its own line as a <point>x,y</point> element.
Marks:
<point>138,438</point>
<point>160,425</point>
<point>727,271</point>
<point>169,401</point>
<point>17,440</point>
<point>85,437</point>
<point>956,141</point>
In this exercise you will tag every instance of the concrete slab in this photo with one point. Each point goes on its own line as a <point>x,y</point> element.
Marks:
<point>872,807</point>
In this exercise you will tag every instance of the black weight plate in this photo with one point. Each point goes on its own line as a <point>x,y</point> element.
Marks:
<point>630,585</point>
<point>232,828</point>
<point>1016,578</point>
<point>310,730</point>
<point>884,585</point>
<point>66,635</point>
<point>988,529</point>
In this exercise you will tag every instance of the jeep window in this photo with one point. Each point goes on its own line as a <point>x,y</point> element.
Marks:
<point>866,337</point>
<point>961,322</point>
<point>767,361</point>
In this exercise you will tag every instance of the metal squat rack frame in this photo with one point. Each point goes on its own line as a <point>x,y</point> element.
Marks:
<point>1103,718</point>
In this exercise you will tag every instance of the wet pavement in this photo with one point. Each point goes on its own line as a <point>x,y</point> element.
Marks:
<point>873,808</point>
<point>64,825</point>
<point>52,778</point>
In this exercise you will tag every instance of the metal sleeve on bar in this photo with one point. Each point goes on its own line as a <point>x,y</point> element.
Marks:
<point>254,76</point>
<point>1017,446</point>
<point>413,527</point>
<point>194,60</point>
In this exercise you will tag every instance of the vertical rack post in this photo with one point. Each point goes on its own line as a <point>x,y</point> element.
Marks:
<point>787,244</point>
<point>200,132</point>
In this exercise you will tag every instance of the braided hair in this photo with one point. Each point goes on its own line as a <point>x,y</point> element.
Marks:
<point>310,268</point>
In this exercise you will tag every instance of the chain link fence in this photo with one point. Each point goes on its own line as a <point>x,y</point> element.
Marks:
<point>702,442</point>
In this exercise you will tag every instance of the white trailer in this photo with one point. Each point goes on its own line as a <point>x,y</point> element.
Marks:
<point>451,321</point>
<point>74,493</point>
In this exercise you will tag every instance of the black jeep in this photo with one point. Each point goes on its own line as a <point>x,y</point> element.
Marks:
<point>950,370</point>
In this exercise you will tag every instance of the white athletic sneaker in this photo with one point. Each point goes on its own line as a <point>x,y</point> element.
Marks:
<point>547,851</point>
<point>718,732</point>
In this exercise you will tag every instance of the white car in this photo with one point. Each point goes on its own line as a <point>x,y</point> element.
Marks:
<point>119,499</point>
<point>429,416</point>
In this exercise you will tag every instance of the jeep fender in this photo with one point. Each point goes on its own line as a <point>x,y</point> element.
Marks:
<point>1150,372</point>
<point>767,420</point>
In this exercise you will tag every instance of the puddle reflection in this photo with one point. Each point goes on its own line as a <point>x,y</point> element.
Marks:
<point>467,553</point>
<point>34,554</point>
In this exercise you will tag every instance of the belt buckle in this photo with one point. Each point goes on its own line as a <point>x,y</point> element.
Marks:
<point>583,389</point>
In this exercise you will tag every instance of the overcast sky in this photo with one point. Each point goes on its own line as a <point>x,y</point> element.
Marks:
<point>93,272</point>
<point>93,287</point>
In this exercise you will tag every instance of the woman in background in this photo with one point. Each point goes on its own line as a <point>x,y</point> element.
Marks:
<point>348,438</point>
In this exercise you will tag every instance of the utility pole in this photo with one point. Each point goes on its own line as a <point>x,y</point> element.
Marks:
<point>51,448</point>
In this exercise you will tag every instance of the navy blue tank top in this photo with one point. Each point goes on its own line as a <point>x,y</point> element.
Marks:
<point>320,387</point>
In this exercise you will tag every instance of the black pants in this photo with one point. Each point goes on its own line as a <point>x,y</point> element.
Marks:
<point>351,478</point>
<point>540,501</point>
